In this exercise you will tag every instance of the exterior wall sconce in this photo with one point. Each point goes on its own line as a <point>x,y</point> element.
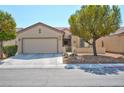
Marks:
<point>40,31</point>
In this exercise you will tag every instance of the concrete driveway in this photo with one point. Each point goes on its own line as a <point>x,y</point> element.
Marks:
<point>32,60</point>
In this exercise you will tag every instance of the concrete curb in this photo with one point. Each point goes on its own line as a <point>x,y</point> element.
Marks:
<point>32,66</point>
<point>66,66</point>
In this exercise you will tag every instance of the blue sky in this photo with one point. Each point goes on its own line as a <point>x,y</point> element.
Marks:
<point>54,15</point>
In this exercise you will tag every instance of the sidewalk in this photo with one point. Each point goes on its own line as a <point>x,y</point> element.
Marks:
<point>31,66</point>
<point>21,61</point>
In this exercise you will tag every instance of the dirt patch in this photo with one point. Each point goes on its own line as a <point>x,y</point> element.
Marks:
<point>90,59</point>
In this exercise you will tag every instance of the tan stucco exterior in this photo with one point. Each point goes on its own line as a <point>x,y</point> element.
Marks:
<point>46,34</point>
<point>113,43</point>
<point>67,34</point>
<point>87,48</point>
<point>76,42</point>
<point>40,45</point>
<point>100,50</point>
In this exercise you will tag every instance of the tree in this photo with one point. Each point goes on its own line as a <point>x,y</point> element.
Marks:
<point>7,29</point>
<point>94,21</point>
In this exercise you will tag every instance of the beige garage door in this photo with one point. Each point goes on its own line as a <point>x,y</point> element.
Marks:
<point>40,45</point>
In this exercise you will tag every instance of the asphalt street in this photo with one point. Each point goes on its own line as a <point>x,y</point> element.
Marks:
<point>56,77</point>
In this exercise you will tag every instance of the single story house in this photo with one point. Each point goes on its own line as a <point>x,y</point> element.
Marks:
<point>114,42</point>
<point>38,38</point>
<point>42,38</point>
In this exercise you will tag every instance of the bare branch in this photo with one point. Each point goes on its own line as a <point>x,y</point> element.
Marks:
<point>88,42</point>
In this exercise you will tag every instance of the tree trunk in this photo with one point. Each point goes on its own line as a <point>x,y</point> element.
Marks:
<point>1,50</point>
<point>94,47</point>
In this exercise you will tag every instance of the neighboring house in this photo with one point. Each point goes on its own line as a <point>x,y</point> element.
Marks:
<point>111,43</point>
<point>114,42</point>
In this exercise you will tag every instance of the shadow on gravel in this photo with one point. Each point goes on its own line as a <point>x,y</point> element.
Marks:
<point>90,59</point>
<point>99,70</point>
<point>103,71</point>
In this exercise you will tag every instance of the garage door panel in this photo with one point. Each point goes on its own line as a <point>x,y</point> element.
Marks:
<point>40,45</point>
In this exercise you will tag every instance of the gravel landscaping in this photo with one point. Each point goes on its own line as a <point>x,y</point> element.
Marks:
<point>90,59</point>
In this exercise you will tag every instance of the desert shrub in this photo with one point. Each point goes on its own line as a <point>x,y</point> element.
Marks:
<point>10,50</point>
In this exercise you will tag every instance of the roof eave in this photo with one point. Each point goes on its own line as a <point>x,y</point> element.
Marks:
<point>59,31</point>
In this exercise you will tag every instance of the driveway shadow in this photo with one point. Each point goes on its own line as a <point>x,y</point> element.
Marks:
<point>35,56</point>
<point>99,70</point>
<point>1,63</point>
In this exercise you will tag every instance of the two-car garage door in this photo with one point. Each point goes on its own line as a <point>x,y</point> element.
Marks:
<point>40,45</point>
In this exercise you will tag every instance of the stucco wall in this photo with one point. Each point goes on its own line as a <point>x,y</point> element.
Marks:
<point>112,43</point>
<point>99,42</point>
<point>34,33</point>
<point>90,50</point>
<point>67,34</point>
<point>75,41</point>
<point>87,48</point>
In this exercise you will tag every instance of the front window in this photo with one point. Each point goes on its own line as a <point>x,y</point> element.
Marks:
<point>67,42</point>
<point>84,44</point>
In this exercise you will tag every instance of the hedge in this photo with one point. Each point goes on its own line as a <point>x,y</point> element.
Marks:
<point>10,50</point>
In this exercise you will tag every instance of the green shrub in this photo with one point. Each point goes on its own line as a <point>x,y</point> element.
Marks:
<point>10,50</point>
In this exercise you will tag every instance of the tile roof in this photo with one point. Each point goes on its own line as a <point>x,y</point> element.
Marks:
<point>119,31</point>
<point>59,28</point>
<point>39,23</point>
<point>18,29</point>
<point>62,28</point>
